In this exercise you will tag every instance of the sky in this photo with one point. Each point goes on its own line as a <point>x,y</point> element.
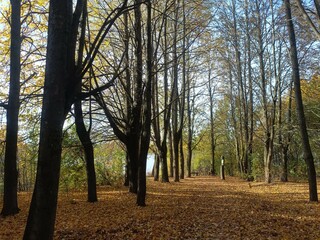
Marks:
<point>150,162</point>
<point>4,2</point>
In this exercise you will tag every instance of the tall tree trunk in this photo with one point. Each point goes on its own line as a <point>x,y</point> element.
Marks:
<point>285,143</point>
<point>132,150</point>
<point>243,112</point>
<point>268,142</point>
<point>83,133</point>
<point>212,130</point>
<point>156,129</point>
<point>42,213</point>
<point>189,143</point>
<point>312,177</point>
<point>156,167</point>
<point>250,104</point>
<point>146,120</point>
<point>126,172</point>
<point>164,163</point>
<point>233,117</point>
<point>134,135</point>
<point>175,110</point>
<point>184,82</point>
<point>187,82</point>
<point>86,142</point>
<point>167,110</point>
<point>161,130</point>
<point>171,152</point>
<point>128,89</point>
<point>10,201</point>
<point>181,159</point>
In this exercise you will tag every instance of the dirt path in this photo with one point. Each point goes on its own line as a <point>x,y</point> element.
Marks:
<point>196,208</point>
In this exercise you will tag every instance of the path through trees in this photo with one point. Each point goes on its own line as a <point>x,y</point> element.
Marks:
<point>194,208</point>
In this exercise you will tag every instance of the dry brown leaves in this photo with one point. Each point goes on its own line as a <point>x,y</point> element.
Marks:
<point>195,208</point>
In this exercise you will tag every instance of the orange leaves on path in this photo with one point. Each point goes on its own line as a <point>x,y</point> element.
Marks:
<point>195,208</point>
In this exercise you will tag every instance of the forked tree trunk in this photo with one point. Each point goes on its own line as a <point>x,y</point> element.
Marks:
<point>134,136</point>
<point>83,133</point>
<point>86,142</point>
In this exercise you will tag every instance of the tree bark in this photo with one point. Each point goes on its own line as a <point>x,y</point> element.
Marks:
<point>10,201</point>
<point>171,152</point>
<point>86,142</point>
<point>156,167</point>
<point>175,117</point>
<point>164,163</point>
<point>212,129</point>
<point>181,159</point>
<point>285,144</point>
<point>134,135</point>
<point>308,157</point>
<point>146,119</point>
<point>83,133</point>
<point>42,213</point>
<point>250,104</point>
<point>268,141</point>
<point>127,89</point>
<point>243,110</point>
<point>167,111</point>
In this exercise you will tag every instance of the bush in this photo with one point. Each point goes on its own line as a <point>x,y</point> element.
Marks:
<point>257,167</point>
<point>110,163</point>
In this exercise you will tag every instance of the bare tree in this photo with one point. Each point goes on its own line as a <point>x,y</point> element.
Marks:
<point>312,177</point>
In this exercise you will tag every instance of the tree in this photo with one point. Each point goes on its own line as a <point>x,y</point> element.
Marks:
<point>312,177</point>
<point>176,130</point>
<point>40,224</point>
<point>131,121</point>
<point>309,19</point>
<point>161,117</point>
<point>286,139</point>
<point>83,133</point>
<point>249,108</point>
<point>234,42</point>
<point>84,136</point>
<point>10,201</point>
<point>146,113</point>
<point>60,88</point>
<point>211,90</point>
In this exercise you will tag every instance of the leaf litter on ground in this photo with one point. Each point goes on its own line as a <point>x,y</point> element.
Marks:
<point>194,208</point>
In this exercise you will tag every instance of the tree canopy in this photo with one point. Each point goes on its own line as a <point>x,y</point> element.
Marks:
<point>90,90</point>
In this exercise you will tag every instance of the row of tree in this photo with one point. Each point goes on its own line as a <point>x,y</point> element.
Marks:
<point>158,76</point>
<point>261,66</point>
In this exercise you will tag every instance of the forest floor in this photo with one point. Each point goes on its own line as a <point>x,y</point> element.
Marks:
<point>195,208</point>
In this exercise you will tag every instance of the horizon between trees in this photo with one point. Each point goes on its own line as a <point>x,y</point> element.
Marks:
<point>90,89</point>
